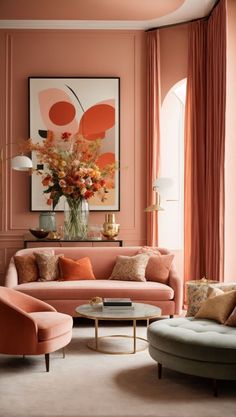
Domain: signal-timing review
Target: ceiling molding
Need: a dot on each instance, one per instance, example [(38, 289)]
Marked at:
[(190, 10)]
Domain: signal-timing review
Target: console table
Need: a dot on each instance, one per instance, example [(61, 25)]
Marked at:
[(31, 239)]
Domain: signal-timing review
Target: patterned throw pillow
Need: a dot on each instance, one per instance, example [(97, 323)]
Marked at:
[(47, 265), (218, 308), (130, 268), (27, 268), (158, 268)]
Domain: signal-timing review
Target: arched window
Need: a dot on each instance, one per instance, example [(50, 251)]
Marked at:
[(170, 220)]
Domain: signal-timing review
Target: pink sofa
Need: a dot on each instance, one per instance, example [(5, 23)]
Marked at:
[(65, 296)]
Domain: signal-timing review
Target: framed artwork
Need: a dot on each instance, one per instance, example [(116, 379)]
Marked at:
[(78, 105)]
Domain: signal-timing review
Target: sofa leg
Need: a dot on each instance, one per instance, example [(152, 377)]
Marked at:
[(215, 387), (64, 352), (171, 316), (47, 361), (159, 369)]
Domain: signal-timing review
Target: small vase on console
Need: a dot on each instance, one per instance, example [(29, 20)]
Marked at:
[(110, 227)]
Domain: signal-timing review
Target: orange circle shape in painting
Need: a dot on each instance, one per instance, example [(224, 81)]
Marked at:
[(104, 159), (96, 120), (61, 113)]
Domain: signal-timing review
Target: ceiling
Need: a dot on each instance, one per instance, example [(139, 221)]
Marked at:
[(100, 14)]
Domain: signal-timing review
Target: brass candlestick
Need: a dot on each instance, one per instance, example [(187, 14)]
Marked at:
[(110, 227)]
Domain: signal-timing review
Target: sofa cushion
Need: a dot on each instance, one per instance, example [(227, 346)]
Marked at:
[(47, 265), (203, 340), (51, 324), (27, 268), (71, 270), (86, 289), (130, 268), (218, 308), (158, 268)]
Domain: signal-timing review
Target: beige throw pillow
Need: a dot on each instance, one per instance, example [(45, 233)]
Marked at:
[(231, 320), (218, 308), (130, 268), (47, 265)]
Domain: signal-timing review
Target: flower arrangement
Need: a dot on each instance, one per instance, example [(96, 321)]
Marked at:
[(71, 168)]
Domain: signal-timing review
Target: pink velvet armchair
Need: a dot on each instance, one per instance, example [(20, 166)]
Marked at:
[(29, 326)]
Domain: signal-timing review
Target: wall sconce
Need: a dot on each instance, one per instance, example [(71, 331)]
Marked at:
[(159, 185), (19, 162)]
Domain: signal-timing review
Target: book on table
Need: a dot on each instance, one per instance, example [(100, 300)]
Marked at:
[(117, 302)]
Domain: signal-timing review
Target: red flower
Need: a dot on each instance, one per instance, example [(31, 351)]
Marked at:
[(65, 136)]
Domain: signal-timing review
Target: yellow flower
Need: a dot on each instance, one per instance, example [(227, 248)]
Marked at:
[(61, 174)]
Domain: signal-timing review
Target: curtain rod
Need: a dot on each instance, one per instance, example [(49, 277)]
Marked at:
[(187, 21)]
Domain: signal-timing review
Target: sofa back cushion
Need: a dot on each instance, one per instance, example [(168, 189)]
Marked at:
[(103, 258)]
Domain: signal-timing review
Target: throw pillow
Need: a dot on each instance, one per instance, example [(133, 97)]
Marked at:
[(27, 268), (158, 268), (47, 265), (71, 270), (149, 250), (130, 268), (218, 308), (213, 292), (231, 320)]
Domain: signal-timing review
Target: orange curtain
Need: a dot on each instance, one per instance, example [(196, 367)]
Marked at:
[(153, 128), (204, 148)]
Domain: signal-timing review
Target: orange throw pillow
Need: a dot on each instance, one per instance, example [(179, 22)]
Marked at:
[(71, 270)]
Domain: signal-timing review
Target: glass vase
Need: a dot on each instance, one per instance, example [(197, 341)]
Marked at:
[(76, 213)]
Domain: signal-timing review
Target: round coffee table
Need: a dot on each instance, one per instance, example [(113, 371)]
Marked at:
[(140, 311)]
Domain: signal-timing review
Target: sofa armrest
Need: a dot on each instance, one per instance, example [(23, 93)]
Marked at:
[(177, 285), (11, 278)]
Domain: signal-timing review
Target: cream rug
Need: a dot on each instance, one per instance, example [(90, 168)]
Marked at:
[(91, 384)]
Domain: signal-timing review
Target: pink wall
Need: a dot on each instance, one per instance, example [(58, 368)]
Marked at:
[(81, 53), (174, 56), (73, 53), (230, 149)]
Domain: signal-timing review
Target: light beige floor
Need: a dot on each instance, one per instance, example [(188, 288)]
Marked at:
[(91, 384)]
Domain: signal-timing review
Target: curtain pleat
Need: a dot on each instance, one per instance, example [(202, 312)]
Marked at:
[(204, 148), (153, 128)]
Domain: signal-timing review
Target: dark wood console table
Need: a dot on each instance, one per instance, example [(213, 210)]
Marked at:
[(31, 239)]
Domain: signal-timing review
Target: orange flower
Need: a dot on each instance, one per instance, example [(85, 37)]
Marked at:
[(46, 180)]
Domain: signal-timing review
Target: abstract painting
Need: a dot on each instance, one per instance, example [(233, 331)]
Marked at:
[(88, 106)]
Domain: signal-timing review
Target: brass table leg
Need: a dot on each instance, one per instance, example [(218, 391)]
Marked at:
[(96, 334), (134, 334)]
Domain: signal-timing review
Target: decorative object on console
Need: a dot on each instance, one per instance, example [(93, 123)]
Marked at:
[(47, 221), (76, 213), (110, 227), (39, 233)]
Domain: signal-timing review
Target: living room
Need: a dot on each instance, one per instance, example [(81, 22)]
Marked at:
[(74, 40)]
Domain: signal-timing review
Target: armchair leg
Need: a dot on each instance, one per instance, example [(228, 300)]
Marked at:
[(47, 361), (159, 369)]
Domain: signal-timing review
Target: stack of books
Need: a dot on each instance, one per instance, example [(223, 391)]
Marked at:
[(117, 304)]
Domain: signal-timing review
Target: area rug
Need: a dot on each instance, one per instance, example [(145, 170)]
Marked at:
[(91, 384)]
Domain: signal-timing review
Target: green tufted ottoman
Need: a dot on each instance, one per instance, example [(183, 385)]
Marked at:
[(198, 347)]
